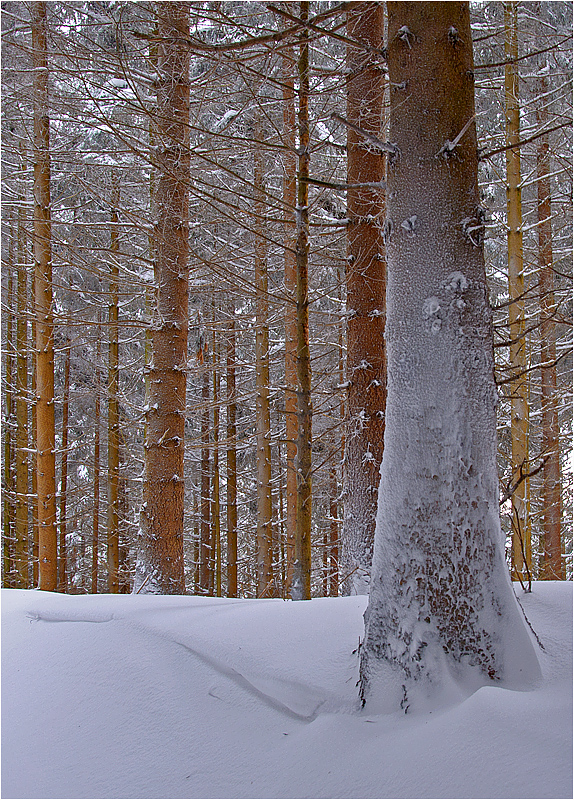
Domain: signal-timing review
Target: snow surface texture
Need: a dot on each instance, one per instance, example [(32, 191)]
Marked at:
[(183, 697)]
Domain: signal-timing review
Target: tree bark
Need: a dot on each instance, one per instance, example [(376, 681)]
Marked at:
[(96, 509), (366, 367), (9, 578), (159, 568), (206, 540), (552, 562), (46, 435), (301, 585), (442, 616), (520, 523)]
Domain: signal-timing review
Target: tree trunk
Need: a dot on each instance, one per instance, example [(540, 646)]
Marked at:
[(263, 416), (206, 543), (442, 618), (96, 510), (301, 586), (113, 534), (159, 568), (62, 559), (366, 367), (552, 563), (231, 458), (521, 547), (22, 553), (215, 505), (289, 202), (46, 436), (9, 578)]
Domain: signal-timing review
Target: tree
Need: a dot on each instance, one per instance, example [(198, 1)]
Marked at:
[(441, 616), (45, 424), (366, 368), (160, 564)]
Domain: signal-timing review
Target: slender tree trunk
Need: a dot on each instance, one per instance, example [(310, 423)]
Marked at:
[(441, 613), (9, 578), (22, 553), (96, 511), (231, 458), (62, 559), (215, 507), (159, 568), (301, 586), (521, 547), (333, 562), (46, 437), (552, 562), (113, 536), (206, 547), (289, 202), (366, 367), (34, 439), (263, 415)]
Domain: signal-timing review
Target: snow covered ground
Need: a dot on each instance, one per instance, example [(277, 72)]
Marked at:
[(185, 697)]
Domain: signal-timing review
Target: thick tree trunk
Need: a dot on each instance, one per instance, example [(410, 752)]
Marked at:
[(552, 563), (520, 524), (289, 203), (263, 416), (159, 567), (366, 368), (442, 618), (46, 436), (301, 585), (231, 458)]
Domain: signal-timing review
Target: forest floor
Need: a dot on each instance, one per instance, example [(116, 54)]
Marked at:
[(184, 697)]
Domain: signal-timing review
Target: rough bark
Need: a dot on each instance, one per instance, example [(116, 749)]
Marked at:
[(206, 543), (46, 436), (301, 585), (552, 562), (215, 504), (520, 523), (96, 509), (442, 618), (366, 367), (160, 558)]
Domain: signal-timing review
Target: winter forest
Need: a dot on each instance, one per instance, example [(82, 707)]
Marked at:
[(286, 315)]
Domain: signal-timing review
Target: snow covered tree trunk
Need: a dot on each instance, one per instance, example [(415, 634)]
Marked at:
[(521, 538), (366, 368), (159, 569), (442, 619), (46, 431), (552, 563)]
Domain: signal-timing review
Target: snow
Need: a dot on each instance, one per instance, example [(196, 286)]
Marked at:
[(185, 697)]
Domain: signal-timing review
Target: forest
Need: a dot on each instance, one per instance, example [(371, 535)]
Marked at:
[(286, 316), (252, 152)]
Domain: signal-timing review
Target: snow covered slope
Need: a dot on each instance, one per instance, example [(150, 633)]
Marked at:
[(184, 697)]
